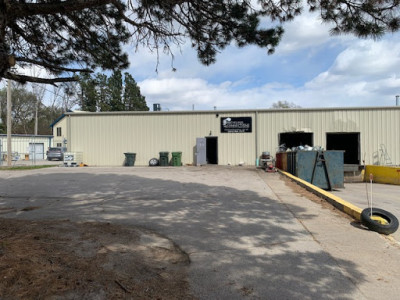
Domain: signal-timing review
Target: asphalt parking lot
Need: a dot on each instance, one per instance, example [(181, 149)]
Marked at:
[(248, 234)]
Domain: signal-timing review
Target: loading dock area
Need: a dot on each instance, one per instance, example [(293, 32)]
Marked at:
[(349, 142)]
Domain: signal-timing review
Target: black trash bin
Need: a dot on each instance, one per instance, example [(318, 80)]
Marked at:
[(164, 158), (130, 159)]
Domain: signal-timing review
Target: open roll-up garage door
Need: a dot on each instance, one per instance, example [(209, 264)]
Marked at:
[(295, 139), (347, 141)]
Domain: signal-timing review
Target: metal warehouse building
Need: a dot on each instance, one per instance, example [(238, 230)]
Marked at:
[(32, 147), (231, 137)]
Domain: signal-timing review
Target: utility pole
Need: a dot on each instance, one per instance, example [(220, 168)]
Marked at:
[(36, 116), (9, 154)]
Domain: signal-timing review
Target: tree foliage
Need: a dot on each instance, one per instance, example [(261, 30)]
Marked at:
[(133, 99), (89, 94), (284, 104), (67, 36), (114, 86), (114, 93), (23, 112)]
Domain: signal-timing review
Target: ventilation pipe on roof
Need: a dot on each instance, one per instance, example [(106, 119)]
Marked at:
[(156, 107)]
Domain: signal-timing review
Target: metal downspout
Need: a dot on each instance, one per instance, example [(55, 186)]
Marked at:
[(69, 133), (256, 137)]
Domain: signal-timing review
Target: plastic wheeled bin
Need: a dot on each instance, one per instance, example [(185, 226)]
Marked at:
[(177, 159), (164, 158), (130, 159)]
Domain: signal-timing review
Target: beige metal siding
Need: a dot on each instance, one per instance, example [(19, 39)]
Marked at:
[(236, 148), (60, 139), (20, 144), (103, 138), (376, 126)]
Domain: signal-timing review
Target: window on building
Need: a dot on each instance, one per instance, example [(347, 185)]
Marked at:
[(59, 144), (58, 131)]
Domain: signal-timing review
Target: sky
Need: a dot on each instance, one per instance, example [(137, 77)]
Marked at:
[(310, 68)]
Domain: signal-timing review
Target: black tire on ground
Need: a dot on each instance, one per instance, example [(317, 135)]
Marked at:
[(153, 162), (392, 222)]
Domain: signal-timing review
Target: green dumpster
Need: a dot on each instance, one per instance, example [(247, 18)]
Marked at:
[(164, 158), (130, 159), (176, 159), (324, 169)]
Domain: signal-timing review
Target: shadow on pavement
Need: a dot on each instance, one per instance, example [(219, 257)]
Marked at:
[(241, 242)]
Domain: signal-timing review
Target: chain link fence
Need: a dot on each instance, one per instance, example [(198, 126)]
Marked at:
[(25, 149)]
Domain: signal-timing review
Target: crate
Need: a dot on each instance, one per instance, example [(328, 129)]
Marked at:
[(73, 159)]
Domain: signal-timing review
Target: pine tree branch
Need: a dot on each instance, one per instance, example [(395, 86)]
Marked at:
[(20, 9), (24, 79), (51, 66)]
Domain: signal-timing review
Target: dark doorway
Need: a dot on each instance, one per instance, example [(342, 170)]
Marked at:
[(347, 141), (295, 139), (212, 149)]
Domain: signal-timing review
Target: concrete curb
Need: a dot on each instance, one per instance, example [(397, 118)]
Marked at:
[(344, 206)]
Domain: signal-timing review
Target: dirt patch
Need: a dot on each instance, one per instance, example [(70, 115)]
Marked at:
[(65, 260)]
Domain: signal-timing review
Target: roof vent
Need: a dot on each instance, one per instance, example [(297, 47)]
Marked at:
[(156, 107)]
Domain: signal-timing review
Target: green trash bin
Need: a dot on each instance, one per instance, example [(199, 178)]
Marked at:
[(164, 159), (130, 159), (176, 159)]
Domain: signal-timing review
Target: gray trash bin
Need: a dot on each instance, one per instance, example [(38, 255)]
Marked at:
[(130, 159)]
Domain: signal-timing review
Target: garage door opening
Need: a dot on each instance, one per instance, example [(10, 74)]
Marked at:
[(347, 141), (212, 149), (295, 139), (36, 151)]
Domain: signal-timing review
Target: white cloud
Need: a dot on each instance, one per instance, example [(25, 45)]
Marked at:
[(182, 93), (368, 58), (364, 74), (303, 32), (310, 68)]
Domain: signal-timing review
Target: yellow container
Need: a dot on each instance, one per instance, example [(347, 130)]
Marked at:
[(382, 174)]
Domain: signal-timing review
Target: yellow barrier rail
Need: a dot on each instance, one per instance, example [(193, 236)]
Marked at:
[(383, 174)]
